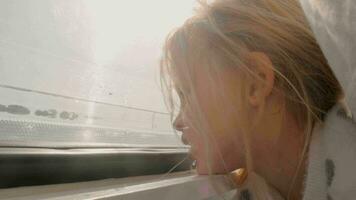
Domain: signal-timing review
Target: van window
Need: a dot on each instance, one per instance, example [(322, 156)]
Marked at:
[(84, 72), (80, 94)]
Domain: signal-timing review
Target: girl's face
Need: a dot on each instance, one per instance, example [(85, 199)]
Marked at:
[(275, 141), (222, 135)]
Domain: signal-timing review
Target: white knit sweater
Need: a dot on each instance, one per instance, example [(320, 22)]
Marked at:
[(331, 170), (332, 159)]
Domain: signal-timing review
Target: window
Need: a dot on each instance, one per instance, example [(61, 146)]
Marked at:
[(79, 75)]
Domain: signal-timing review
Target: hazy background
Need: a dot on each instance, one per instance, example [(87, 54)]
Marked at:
[(59, 57), (85, 72)]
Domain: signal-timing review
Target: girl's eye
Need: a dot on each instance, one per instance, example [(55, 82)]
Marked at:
[(182, 96)]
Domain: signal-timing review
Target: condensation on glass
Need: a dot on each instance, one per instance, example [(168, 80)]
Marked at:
[(84, 72)]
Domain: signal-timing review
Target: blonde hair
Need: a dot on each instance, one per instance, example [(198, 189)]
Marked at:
[(223, 32)]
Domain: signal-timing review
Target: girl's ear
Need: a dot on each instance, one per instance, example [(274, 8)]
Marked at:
[(262, 82)]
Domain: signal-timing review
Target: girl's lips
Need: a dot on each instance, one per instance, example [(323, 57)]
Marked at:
[(192, 152), (184, 139)]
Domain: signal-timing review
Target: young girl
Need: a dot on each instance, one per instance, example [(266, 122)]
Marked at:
[(254, 89)]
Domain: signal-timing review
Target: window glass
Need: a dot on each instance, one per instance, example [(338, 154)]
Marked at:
[(85, 72)]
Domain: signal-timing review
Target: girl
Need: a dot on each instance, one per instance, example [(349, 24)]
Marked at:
[(254, 87)]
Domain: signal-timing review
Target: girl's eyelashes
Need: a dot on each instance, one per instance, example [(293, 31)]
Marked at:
[(181, 97), (181, 94)]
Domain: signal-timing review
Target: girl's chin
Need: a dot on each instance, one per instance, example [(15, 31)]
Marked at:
[(202, 169)]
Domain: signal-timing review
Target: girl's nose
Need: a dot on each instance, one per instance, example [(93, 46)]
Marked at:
[(178, 123)]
